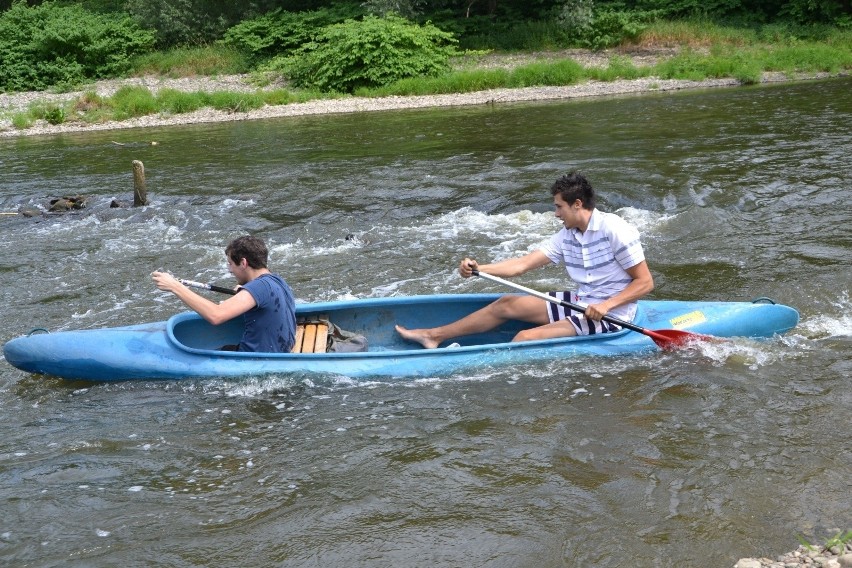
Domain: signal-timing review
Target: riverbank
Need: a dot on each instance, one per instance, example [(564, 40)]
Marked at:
[(11, 103), (839, 556)]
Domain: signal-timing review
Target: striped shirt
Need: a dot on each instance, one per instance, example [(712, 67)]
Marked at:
[(598, 258)]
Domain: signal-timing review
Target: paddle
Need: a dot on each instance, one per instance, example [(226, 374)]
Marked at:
[(211, 287), (665, 338)]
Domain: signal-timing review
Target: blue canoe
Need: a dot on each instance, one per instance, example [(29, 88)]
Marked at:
[(185, 346)]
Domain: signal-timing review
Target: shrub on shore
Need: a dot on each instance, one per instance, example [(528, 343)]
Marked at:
[(367, 53), (60, 45)]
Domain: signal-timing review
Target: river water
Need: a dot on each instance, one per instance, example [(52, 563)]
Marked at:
[(681, 459)]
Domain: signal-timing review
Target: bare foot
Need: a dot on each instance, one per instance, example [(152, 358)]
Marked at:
[(420, 336)]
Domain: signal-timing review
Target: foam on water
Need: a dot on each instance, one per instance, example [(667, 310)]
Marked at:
[(838, 323), (131, 229), (739, 351), (647, 222), (231, 203), (301, 247), (512, 233)]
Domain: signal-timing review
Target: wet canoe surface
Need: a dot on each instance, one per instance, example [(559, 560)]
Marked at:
[(186, 346)]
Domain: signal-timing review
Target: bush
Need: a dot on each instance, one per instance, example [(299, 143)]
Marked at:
[(55, 115), (192, 22), (410, 9), (577, 17), (588, 26), (610, 28), (369, 53), (280, 32), (525, 35), (51, 44), (51, 113)]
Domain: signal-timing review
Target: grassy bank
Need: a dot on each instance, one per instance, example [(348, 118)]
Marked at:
[(135, 101), (702, 51)]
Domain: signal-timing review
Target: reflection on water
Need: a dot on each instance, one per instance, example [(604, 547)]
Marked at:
[(691, 458)]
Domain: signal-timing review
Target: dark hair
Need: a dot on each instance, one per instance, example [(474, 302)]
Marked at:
[(575, 186), (250, 248)]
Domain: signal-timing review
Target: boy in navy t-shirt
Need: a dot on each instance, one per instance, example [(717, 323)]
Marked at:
[(270, 326), (263, 299)]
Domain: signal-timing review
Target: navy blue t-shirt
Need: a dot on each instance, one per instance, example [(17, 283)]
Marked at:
[(270, 326)]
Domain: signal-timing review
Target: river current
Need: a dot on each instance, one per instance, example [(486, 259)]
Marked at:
[(692, 458)]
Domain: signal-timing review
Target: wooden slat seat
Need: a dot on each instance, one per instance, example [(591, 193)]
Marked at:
[(311, 335)]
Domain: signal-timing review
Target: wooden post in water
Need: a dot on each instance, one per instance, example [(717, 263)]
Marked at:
[(140, 194)]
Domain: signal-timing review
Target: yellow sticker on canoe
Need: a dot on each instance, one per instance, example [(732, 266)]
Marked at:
[(686, 320)]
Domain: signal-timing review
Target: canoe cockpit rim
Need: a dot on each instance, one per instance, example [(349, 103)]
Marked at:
[(176, 320)]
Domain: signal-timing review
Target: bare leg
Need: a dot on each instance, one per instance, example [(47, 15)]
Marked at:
[(523, 308), (562, 328)]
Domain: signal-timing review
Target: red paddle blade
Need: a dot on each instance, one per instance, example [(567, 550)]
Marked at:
[(672, 339)]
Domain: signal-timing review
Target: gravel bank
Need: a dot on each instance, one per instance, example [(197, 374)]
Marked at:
[(836, 557), (18, 102), (11, 103)]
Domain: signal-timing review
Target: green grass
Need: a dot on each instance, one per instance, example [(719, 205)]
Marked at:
[(456, 82), (565, 72), (135, 101), (235, 102), (692, 33), (699, 33), (737, 60), (720, 63), (619, 67), (50, 112), (132, 101), (205, 61), (836, 543), (806, 59), (21, 120), (173, 101)]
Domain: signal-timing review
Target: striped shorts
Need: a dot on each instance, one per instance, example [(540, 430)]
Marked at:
[(581, 323)]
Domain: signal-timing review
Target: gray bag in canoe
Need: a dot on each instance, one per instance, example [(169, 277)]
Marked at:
[(342, 341)]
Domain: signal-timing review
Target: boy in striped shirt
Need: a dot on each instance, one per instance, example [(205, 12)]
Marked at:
[(601, 252)]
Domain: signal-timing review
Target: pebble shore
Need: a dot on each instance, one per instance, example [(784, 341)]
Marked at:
[(836, 557), (18, 102), (10, 103)]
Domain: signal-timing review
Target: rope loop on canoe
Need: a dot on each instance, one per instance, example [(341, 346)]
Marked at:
[(37, 330), (763, 300)]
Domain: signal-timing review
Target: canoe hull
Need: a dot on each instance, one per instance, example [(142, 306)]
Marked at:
[(185, 346)]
